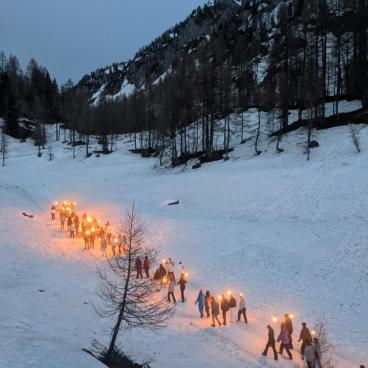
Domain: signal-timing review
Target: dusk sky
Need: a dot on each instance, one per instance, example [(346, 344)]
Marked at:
[(74, 37)]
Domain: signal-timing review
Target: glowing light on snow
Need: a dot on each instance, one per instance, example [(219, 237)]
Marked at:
[(229, 292), (313, 332), (241, 294), (89, 219), (220, 297), (274, 319), (291, 316)]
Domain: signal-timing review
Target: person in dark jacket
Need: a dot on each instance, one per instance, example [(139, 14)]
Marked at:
[(232, 306), (270, 342), (224, 308), (207, 303), (215, 311), (76, 223), (146, 266), (138, 267), (160, 273), (306, 337), (289, 327), (181, 284), (200, 302)]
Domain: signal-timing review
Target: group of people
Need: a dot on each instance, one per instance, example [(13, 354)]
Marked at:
[(88, 228), (231, 309), (310, 349), (208, 305)]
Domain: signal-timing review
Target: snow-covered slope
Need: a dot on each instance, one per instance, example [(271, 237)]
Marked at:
[(289, 233)]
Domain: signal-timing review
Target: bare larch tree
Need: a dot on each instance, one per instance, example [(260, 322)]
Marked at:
[(131, 302)]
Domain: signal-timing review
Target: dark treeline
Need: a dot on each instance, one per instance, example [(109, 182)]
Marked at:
[(301, 57), (30, 95)]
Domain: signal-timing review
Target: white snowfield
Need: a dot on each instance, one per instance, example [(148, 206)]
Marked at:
[(290, 234)]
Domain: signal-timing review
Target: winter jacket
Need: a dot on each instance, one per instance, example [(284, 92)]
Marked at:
[(305, 335), (72, 227), (207, 301), (182, 283), (284, 337), (309, 353), (224, 305), (171, 287), (138, 264), (241, 303), (232, 302), (170, 266), (200, 300), (271, 335), (76, 222), (70, 221), (215, 308), (146, 263), (62, 218), (289, 325)]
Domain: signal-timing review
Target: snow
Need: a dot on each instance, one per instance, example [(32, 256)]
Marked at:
[(289, 233), (162, 76), (344, 107), (96, 97), (126, 89)]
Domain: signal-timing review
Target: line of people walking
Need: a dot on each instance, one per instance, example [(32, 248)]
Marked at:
[(88, 228), (310, 348)]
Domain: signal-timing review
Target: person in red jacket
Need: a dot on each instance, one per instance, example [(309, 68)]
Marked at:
[(146, 266), (138, 267)]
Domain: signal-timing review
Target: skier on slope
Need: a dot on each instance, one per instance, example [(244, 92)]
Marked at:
[(224, 308), (182, 282), (200, 302), (207, 303), (146, 266), (270, 343), (138, 267), (289, 327), (242, 309), (284, 339), (305, 336), (215, 311)]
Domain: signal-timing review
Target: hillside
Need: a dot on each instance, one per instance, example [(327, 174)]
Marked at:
[(289, 233)]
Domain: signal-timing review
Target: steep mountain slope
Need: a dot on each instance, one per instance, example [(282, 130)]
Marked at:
[(152, 62)]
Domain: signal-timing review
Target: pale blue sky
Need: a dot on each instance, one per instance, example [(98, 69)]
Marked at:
[(73, 37)]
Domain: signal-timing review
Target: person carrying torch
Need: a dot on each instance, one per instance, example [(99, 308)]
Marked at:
[(242, 308), (270, 343), (215, 311), (306, 337)]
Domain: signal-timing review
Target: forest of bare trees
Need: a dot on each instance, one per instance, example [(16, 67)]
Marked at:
[(315, 52)]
